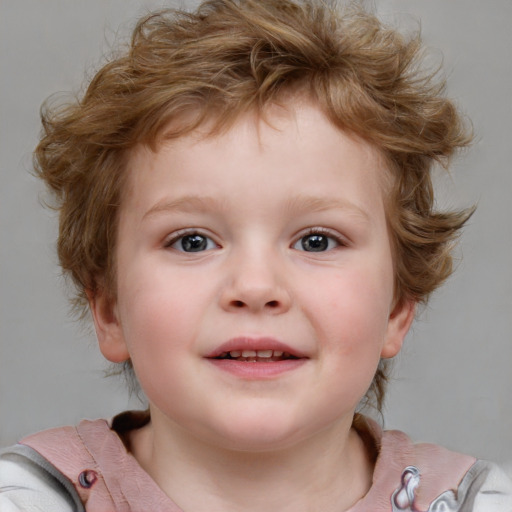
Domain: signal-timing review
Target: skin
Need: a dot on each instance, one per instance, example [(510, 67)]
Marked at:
[(257, 194)]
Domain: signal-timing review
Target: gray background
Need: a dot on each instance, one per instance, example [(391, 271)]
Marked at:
[(453, 380)]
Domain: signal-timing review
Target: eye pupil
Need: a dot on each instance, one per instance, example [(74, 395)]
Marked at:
[(194, 243), (315, 243)]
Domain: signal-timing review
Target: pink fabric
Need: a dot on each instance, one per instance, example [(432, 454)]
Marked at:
[(122, 485), (440, 469)]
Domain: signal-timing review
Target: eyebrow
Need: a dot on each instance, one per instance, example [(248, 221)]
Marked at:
[(294, 206), (185, 204), (305, 203)]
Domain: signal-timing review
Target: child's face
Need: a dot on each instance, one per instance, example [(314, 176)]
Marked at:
[(269, 238)]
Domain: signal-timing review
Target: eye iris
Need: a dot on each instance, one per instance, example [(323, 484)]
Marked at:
[(194, 243), (315, 243)]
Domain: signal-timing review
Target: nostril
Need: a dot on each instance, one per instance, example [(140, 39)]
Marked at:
[(239, 304)]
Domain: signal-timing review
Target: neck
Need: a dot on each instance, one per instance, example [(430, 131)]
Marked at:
[(329, 472)]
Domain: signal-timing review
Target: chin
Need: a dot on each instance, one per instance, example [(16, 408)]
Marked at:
[(258, 443), (258, 433)]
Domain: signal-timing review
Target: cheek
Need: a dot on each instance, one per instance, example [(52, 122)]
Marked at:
[(350, 314), (158, 334), (352, 306), (156, 312)]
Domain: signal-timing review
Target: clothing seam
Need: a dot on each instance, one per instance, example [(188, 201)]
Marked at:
[(93, 458)]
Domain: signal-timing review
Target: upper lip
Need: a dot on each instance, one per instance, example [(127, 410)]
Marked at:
[(254, 343)]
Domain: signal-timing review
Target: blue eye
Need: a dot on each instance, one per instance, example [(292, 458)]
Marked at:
[(194, 242), (316, 242)]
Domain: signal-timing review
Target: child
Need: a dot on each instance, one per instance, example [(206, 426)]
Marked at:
[(246, 209)]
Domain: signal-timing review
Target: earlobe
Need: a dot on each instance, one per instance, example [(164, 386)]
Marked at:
[(399, 323), (107, 325)]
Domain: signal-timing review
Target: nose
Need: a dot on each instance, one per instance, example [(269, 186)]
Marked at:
[(256, 284)]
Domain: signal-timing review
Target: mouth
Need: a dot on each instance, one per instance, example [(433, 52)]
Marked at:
[(256, 356), (255, 350)]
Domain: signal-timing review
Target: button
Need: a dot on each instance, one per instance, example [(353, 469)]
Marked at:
[(87, 478)]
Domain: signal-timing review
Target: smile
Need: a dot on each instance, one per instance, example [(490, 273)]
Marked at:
[(254, 349), (256, 356)]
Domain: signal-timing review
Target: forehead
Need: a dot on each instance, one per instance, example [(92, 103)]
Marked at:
[(285, 144)]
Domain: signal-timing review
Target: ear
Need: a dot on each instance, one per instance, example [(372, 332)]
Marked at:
[(107, 325), (400, 321)]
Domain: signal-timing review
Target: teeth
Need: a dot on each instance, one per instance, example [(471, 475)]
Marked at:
[(264, 353), (252, 354)]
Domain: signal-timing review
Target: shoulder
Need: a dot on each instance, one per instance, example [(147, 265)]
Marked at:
[(90, 460), (483, 488), (428, 477), (51, 471), (491, 487), (29, 482), (440, 479)]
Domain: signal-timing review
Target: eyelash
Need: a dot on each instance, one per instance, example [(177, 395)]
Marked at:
[(176, 237), (341, 241)]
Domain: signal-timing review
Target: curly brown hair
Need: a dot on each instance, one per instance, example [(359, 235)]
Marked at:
[(233, 56)]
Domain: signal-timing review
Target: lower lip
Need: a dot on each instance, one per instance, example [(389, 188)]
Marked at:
[(257, 370)]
